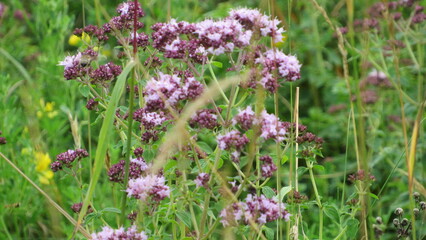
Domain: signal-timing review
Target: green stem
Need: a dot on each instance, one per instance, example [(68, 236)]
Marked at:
[(217, 82), (317, 197)]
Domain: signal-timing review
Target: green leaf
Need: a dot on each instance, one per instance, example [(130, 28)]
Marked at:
[(217, 64), (352, 228), (104, 136), (205, 147), (374, 196), (284, 159), (84, 90), (332, 212), (185, 218), (111, 209), (269, 232), (284, 191), (269, 193), (301, 171), (319, 168)]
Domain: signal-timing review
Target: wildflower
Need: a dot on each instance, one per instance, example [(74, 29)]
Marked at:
[(47, 108), (205, 118), (92, 104), (287, 67), (42, 161), (67, 158), (202, 180), (399, 211), (106, 72), (254, 20), (258, 209), (76, 207), (137, 166), (149, 187), (138, 152), (244, 118), (232, 140), (149, 119), (108, 233), (268, 167), (271, 127)]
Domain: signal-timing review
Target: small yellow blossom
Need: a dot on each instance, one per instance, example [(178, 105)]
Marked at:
[(74, 40), (85, 37), (42, 161), (47, 108)]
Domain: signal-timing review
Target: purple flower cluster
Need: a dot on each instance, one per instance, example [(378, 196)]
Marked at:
[(268, 167), (169, 90), (232, 140), (376, 78), (108, 233), (136, 168), (2, 139), (205, 118), (245, 118), (105, 73), (272, 127), (92, 104), (360, 176), (126, 16), (257, 209), (254, 20), (286, 67), (149, 187), (148, 119), (202, 180), (66, 159)]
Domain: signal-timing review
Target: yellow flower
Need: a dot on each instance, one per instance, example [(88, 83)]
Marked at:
[(74, 40), (45, 177), (47, 108), (42, 161)]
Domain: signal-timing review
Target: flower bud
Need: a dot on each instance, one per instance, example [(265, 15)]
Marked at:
[(399, 211), (404, 222), (396, 222)]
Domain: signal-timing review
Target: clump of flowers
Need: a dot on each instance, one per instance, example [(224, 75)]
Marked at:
[(66, 159), (150, 187), (108, 233), (257, 209), (176, 55), (268, 167), (202, 180), (137, 167)]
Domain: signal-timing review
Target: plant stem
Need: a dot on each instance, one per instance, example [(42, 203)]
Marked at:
[(317, 197)]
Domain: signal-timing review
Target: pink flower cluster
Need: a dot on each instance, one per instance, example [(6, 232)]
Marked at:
[(244, 118), (148, 119), (257, 209), (268, 167), (136, 168), (271, 127), (254, 20), (108, 233), (65, 159), (149, 187), (285, 66), (205, 118), (202, 180), (169, 89)]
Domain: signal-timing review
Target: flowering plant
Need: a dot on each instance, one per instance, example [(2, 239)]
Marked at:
[(184, 138)]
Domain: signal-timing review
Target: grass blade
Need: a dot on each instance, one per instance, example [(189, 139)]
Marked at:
[(104, 136)]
